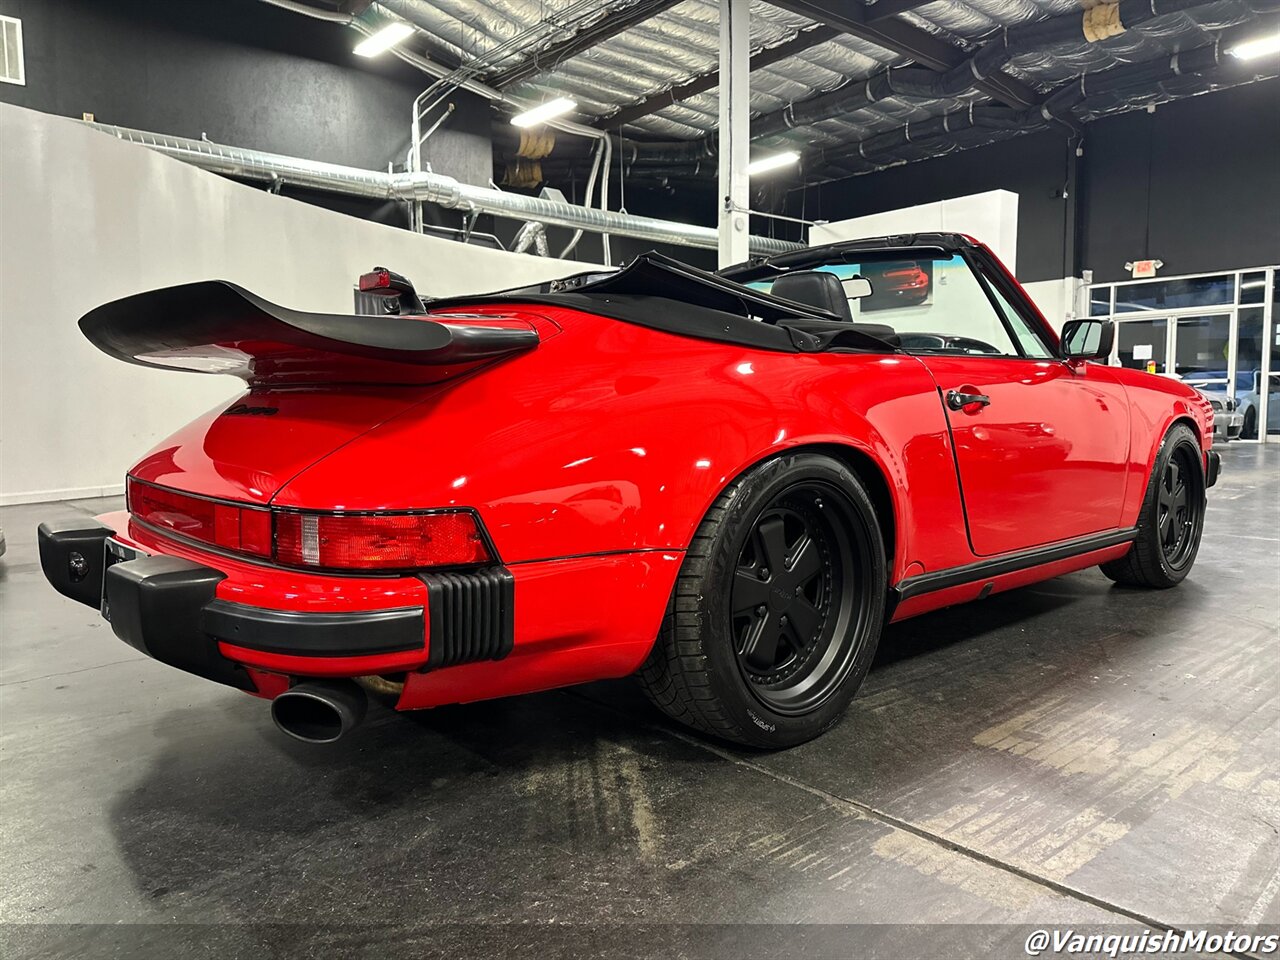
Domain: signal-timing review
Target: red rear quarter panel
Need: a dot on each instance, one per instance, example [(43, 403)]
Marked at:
[(615, 437)]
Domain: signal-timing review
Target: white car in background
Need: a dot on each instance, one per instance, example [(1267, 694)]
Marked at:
[(1247, 403)]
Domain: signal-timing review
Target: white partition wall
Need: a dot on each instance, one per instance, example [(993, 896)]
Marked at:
[(85, 219), (991, 217)]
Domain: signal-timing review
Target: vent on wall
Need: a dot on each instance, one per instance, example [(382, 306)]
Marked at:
[(11, 67)]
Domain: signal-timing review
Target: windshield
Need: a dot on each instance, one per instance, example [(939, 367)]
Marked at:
[(934, 303)]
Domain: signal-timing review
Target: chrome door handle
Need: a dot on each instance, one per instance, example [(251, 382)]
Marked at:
[(958, 401)]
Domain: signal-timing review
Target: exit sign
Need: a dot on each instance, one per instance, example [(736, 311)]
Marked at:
[(1144, 269)]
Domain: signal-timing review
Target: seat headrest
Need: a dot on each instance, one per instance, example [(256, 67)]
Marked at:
[(814, 288)]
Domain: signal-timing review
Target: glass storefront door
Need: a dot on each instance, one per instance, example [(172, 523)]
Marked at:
[(1220, 332), (1195, 348), (1143, 344)]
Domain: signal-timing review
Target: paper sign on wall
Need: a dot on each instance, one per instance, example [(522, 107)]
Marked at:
[(1142, 351)]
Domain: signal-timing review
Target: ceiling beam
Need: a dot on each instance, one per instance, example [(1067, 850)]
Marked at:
[(883, 9), (709, 81), (598, 32), (852, 17)]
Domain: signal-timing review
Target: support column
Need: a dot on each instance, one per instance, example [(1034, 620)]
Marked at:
[(735, 129)]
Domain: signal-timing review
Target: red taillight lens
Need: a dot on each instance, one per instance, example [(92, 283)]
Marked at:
[(404, 541), (376, 280), (225, 525), (389, 541)]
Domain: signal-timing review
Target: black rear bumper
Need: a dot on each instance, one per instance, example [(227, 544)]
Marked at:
[(167, 608)]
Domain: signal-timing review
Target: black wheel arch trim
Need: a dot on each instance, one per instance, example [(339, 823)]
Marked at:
[(1010, 563)]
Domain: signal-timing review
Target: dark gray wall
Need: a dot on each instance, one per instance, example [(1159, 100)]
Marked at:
[(240, 71), (1196, 184)]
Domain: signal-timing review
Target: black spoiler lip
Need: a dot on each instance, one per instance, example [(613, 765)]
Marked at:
[(161, 327)]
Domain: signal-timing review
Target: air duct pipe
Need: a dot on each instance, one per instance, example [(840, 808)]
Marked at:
[(428, 188)]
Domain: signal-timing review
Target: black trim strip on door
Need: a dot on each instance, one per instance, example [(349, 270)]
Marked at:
[(1011, 563)]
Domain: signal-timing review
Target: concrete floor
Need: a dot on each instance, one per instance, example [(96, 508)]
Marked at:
[(1071, 754)]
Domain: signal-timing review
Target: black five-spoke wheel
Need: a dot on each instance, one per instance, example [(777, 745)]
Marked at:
[(1171, 519), (1175, 515), (793, 586), (778, 607)]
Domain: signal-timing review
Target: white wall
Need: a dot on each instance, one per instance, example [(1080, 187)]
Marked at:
[(1057, 299), (85, 218), (991, 217)]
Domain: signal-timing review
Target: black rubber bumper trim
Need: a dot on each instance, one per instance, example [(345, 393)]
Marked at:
[(1213, 466), (72, 557), (154, 604), (472, 616), (1010, 563), (354, 634)]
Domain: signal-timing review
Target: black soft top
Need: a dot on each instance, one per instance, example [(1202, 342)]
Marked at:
[(658, 292)]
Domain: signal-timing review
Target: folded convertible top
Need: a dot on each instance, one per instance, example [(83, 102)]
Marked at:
[(215, 326), (664, 294)]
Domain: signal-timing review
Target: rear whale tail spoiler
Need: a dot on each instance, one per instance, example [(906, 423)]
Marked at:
[(215, 326)]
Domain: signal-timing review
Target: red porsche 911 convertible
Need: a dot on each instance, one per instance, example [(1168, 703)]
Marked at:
[(724, 483)]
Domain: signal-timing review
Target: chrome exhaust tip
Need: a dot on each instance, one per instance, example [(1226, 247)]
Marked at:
[(320, 711)]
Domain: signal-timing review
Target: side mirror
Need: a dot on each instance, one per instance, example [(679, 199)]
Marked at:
[(1087, 339)]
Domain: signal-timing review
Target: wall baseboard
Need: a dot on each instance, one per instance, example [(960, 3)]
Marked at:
[(69, 493)]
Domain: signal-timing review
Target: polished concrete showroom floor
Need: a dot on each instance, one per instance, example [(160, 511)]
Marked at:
[(1072, 754)]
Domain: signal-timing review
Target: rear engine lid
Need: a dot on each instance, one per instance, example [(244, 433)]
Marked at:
[(248, 449)]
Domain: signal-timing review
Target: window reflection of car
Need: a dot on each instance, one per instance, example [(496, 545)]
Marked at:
[(947, 343)]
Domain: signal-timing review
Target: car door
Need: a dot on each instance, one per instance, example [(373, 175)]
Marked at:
[(1040, 445)]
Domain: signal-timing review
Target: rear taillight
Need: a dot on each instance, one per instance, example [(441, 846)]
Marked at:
[(389, 541), (225, 525), (378, 279), (328, 541)]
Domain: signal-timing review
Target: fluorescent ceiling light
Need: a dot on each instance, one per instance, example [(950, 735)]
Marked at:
[(1252, 49), (383, 40), (544, 112), (772, 163)]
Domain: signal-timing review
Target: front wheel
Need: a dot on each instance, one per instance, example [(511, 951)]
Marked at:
[(1172, 517), (778, 607)]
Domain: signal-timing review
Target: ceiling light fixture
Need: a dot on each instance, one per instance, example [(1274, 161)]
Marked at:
[(1252, 49), (383, 40), (544, 112), (772, 163)]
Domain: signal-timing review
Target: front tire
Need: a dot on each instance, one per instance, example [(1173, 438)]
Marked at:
[(777, 609), (1172, 518)]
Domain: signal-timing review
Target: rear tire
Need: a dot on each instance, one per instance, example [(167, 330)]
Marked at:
[(1172, 517), (777, 609)]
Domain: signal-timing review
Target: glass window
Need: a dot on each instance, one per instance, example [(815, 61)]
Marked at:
[(1200, 354), (935, 305), (1273, 376), (1142, 344), (1028, 339), (1250, 343), (1175, 294), (1253, 287), (1099, 301)]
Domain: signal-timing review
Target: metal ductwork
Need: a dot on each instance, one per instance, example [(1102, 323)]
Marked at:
[(428, 188)]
